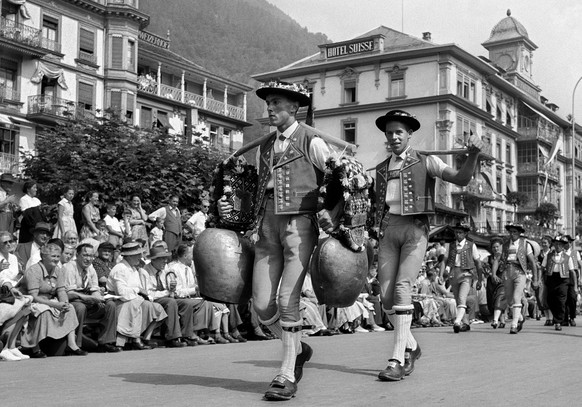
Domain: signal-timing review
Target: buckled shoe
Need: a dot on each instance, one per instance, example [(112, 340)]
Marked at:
[(281, 389)]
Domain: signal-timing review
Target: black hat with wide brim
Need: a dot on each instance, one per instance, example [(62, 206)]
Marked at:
[(398, 116), (292, 91), (516, 226)]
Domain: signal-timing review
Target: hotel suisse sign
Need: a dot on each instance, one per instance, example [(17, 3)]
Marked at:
[(154, 40), (354, 47)]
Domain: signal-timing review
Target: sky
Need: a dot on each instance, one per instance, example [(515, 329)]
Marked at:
[(554, 26)]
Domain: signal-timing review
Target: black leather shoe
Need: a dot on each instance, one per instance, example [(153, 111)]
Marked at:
[(190, 342), (304, 356), (149, 343), (39, 354), (76, 352), (136, 346), (513, 330), (548, 322), (393, 372), (237, 335), (502, 325), (411, 356), (572, 322), (175, 343), (557, 327), (281, 389), (456, 328), (465, 327), (520, 325), (108, 348)]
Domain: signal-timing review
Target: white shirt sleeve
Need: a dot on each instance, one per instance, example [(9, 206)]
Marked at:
[(159, 213), (319, 152), (435, 166)]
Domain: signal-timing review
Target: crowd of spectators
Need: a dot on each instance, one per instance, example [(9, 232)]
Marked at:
[(118, 278)]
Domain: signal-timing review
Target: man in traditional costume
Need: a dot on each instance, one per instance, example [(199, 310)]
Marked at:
[(405, 189)]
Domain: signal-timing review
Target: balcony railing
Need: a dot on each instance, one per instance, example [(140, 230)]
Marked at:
[(537, 133), (8, 163), (149, 85), (132, 3), (537, 168), (50, 106), (26, 35), (9, 94)]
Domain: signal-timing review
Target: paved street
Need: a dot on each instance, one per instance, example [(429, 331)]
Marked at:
[(538, 367)]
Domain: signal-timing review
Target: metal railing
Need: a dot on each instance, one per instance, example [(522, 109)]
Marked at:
[(149, 85), (21, 33), (50, 105), (9, 94), (8, 163), (132, 3)]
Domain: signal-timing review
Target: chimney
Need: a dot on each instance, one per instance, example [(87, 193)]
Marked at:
[(426, 36)]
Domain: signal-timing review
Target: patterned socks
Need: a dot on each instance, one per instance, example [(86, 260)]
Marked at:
[(401, 319)]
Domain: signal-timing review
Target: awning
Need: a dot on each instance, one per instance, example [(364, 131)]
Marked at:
[(163, 122), (22, 122), (5, 119), (445, 209), (539, 113)]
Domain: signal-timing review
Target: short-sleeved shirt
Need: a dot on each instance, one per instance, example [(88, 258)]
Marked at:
[(80, 280), (37, 277)]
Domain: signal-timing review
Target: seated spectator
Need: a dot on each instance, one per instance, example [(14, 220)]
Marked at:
[(14, 307), (187, 287), (71, 238), (113, 225), (67, 254), (8, 202), (371, 290), (138, 317), (179, 323), (52, 316), (84, 294), (103, 231), (103, 263), (29, 253)]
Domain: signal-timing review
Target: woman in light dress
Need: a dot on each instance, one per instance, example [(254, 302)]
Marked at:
[(66, 211), (90, 216)]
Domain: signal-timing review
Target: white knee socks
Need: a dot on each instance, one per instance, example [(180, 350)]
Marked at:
[(291, 348), (403, 338)]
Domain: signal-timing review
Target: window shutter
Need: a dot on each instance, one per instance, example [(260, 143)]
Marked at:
[(87, 41), (115, 100), (117, 53), (85, 94), (130, 101)]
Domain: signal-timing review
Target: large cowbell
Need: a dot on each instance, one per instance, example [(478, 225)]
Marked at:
[(224, 265), (338, 274)]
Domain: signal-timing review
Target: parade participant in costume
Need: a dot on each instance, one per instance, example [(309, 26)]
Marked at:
[(517, 253), (572, 294), (172, 222), (495, 287), (542, 290), (405, 189), (291, 164), (463, 261), (557, 266)]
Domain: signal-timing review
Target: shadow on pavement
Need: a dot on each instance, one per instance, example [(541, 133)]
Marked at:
[(310, 365), (177, 380)]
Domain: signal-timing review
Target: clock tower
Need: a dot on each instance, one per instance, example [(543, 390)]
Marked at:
[(511, 50)]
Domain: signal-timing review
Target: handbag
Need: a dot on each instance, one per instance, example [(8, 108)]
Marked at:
[(6, 296)]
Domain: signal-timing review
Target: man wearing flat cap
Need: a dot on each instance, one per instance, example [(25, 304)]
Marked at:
[(516, 254), (465, 264), (405, 189), (291, 165), (557, 266)]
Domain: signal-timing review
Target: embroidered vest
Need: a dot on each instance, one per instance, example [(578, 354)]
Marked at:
[(562, 265), (465, 256), (173, 223), (417, 189), (521, 253), (296, 179)]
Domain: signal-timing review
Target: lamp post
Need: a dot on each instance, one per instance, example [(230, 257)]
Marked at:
[(574, 159)]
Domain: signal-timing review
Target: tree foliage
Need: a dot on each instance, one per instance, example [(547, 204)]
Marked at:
[(517, 198), (546, 213), (118, 161)]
